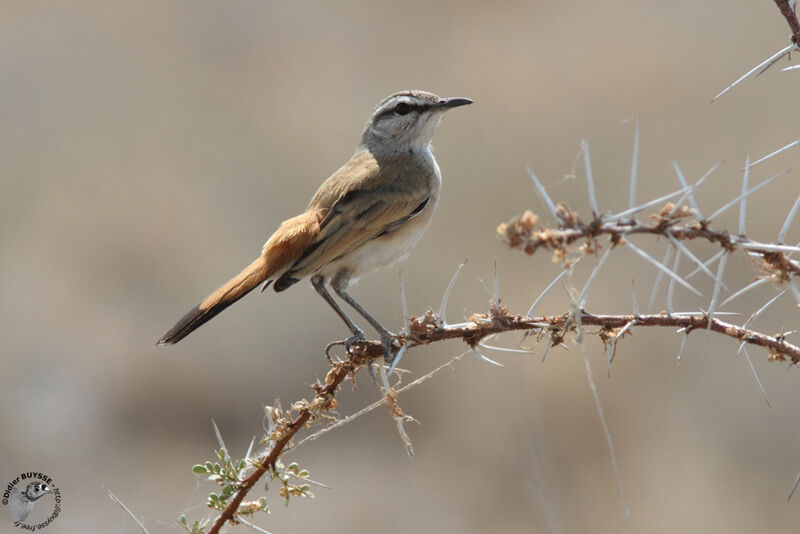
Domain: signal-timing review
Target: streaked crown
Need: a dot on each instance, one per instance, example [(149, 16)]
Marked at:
[(406, 120)]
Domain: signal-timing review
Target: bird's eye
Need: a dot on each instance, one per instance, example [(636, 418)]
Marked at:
[(402, 109)]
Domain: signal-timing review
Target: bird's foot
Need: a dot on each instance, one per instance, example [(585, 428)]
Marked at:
[(358, 335)]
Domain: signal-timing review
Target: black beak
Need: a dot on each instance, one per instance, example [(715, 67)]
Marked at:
[(448, 103)]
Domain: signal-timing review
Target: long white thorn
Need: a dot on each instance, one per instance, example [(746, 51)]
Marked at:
[(482, 343), (755, 376), (743, 204), (543, 193), (682, 180), (745, 289), (773, 154), (547, 347), (219, 436), (398, 420), (685, 250), (484, 358), (702, 311), (768, 247), (448, 291), (659, 277), (776, 56), (580, 302), (683, 347), (640, 207), (549, 287), (131, 514), (252, 526), (715, 295), (397, 358), (250, 448), (788, 222), (403, 301), (707, 263), (587, 165), (649, 259), (691, 189), (604, 424), (796, 481), (763, 308), (747, 193), (634, 167), (671, 289)]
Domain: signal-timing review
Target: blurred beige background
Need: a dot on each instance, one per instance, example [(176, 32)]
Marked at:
[(147, 150)]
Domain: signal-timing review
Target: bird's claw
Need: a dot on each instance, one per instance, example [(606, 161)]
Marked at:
[(352, 340)]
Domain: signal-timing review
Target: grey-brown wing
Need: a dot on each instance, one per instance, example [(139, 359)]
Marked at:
[(356, 219)]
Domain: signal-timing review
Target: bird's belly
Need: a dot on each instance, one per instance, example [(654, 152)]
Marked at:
[(382, 251)]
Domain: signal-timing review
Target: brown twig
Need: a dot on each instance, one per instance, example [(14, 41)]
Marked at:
[(524, 232), (322, 401), (429, 329), (425, 331), (791, 18)]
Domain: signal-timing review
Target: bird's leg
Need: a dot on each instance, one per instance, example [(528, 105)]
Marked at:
[(358, 335), (388, 340)]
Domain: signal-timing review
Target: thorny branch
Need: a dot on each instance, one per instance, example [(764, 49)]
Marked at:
[(787, 8), (429, 328), (525, 233), (285, 430)]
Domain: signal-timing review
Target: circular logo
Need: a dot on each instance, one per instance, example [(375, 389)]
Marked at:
[(33, 500)]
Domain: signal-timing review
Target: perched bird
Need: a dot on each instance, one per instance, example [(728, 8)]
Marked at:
[(21, 502), (368, 214)]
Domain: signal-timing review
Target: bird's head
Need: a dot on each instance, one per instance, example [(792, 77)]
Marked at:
[(406, 120)]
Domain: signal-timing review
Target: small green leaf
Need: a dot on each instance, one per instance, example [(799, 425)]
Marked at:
[(199, 469)]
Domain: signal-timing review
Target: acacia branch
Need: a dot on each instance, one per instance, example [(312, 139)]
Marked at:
[(283, 434), (525, 233), (787, 9), (429, 329)]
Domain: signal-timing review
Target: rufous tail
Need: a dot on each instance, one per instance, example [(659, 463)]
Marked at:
[(287, 244), (237, 287)]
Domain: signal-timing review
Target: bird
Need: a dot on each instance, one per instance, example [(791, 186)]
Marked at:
[(21, 502), (368, 214)]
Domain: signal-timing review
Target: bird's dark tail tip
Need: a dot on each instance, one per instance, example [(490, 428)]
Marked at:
[(188, 324), (230, 292)]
